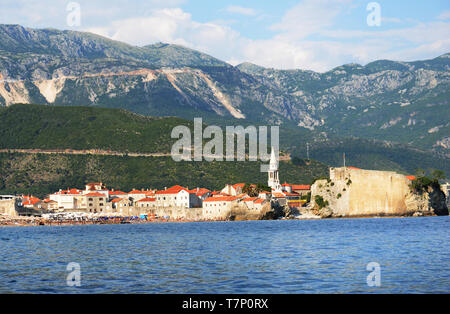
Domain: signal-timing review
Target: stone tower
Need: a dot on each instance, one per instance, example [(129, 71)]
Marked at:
[(274, 179)]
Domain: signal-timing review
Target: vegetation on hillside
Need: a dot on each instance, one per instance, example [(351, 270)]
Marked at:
[(320, 201), (41, 174), (52, 127), (425, 180), (375, 155)]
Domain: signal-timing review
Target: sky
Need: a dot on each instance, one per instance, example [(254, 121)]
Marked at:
[(313, 35)]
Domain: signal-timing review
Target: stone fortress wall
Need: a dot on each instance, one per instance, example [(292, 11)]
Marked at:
[(357, 192)]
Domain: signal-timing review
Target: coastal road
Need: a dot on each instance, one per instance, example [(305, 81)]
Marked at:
[(82, 152), (101, 152)]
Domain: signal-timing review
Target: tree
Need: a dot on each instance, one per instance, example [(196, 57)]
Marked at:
[(254, 190), (423, 181)]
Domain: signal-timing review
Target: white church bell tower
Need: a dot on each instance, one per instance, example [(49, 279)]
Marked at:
[(274, 180)]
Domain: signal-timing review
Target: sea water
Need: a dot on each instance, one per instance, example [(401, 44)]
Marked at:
[(290, 256)]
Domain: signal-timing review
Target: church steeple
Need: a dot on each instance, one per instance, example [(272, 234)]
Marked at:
[(273, 161), (273, 180)]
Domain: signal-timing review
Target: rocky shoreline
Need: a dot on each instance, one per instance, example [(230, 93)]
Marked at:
[(37, 221)]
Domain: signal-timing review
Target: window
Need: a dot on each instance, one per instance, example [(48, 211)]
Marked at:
[(101, 204), (90, 199)]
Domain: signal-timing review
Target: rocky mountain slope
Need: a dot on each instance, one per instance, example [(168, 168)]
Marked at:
[(398, 101), (404, 102)]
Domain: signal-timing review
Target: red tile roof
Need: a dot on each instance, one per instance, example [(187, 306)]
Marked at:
[(117, 193), (173, 190), (237, 185), (250, 199), (259, 201), (301, 187), (136, 192), (202, 193), (411, 178), (221, 194), (354, 168), (95, 194), (221, 199), (30, 200), (147, 199), (278, 195), (69, 192), (298, 186)]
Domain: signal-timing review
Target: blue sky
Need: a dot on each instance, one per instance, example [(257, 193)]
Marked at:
[(308, 34)]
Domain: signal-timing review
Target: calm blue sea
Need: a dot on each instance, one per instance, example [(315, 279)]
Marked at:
[(309, 256)]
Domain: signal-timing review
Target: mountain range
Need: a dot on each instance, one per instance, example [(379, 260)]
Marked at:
[(384, 103)]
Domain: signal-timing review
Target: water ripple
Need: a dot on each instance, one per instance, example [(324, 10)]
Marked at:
[(328, 256)]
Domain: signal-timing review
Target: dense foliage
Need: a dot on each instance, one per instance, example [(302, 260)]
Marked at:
[(41, 174), (54, 127), (375, 155), (87, 128), (253, 190), (423, 180), (320, 201)]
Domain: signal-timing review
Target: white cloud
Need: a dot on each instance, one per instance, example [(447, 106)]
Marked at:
[(306, 37), (52, 13), (241, 10), (176, 27), (309, 17), (444, 15), (385, 19)]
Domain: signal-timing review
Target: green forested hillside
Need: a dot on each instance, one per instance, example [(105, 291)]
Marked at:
[(86, 128), (53, 127), (377, 155), (41, 174)]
